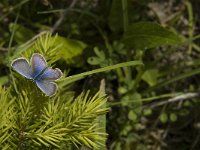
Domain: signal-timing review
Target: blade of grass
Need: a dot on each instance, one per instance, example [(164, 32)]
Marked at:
[(66, 80), (175, 79), (191, 25), (9, 49)]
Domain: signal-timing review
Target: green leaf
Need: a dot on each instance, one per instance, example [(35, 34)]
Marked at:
[(132, 115), (135, 98), (69, 48), (163, 117), (144, 35), (173, 117), (150, 76), (98, 59)]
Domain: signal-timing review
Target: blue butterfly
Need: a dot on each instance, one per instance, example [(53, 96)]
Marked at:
[(38, 71)]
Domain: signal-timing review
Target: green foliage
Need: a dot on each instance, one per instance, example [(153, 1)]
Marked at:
[(52, 47), (70, 49), (99, 59), (150, 76), (145, 35), (152, 48), (7, 115), (59, 121), (31, 121)]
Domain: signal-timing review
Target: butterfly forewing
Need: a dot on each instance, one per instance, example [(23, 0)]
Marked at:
[(38, 63), (49, 88), (22, 66), (51, 74)]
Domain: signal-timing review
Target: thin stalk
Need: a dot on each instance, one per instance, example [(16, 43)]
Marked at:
[(140, 69), (108, 68), (145, 99), (191, 25), (125, 14), (175, 79), (9, 49), (127, 70)]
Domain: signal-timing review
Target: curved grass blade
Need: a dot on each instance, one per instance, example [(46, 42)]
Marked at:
[(70, 79)]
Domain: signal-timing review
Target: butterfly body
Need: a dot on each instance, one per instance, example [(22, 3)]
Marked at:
[(38, 71), (38, 76)]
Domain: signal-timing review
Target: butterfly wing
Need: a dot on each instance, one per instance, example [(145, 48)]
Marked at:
[(22, 66), (38, 63), (45, 82), (49, 88), (51, 74)]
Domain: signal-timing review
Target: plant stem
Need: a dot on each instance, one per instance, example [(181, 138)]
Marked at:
[(149, 99), (125, 14), (191, 25), (67, 80)]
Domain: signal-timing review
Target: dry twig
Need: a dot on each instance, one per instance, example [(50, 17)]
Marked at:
[(174, 99), (62, 16)]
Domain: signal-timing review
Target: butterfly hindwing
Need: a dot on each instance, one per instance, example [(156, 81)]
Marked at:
[(51, 74), (38, 63), (49, 88), (22, 66)]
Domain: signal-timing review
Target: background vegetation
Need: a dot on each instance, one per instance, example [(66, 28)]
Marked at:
[(153, 103)]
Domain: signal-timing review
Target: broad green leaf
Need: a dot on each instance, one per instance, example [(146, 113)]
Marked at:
[(144, 35), (69, 48), (150, 76), (22, 34)]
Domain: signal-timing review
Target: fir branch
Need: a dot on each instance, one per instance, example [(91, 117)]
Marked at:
[(46, 46), (7, 117), (82, 120)]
